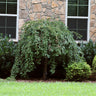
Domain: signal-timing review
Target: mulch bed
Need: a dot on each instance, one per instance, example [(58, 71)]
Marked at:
[(54, 80)]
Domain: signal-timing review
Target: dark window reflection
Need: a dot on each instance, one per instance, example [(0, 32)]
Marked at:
[(79, 26), (11, 0), (11, 8), (2, 0), (83, 11), (72, 10), (83, 2), (2, 21), (11, 32), (11, 21), (2, 8), (72, 1), (8, 26), (2, 31)]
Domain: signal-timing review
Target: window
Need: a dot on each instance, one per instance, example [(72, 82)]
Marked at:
[(9, 18), (78, 17)]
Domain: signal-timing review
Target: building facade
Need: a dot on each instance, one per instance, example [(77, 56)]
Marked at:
[(78, 15)]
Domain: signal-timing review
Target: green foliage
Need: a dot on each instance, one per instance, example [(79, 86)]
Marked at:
[(89, 50), (78, 71), (7, 56), (10, 79), (41, 40), (94, 65)]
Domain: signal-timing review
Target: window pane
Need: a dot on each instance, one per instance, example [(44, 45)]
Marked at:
[(11, 8), (2, 31), (2, 0), (8, 23), (3, 8), (79, 26), (11, 22), (2, 21), (82, 23), (11, 32), (72, 10), (83, 33), (72, 24), (72, 1), (83, 11), (78, 8), (83, 2), (11, 0), (8, 26), (74, 35)]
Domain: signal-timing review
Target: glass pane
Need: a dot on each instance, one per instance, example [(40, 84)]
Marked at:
[(82, 23), (11, 8), (11, 0), (3, 8), (79, 26), (83, 11), (72, 24), (72, 10), (8, 26), (11, 22), (72, 1), (2, 0), (2, 21), (83, 2), (83, 33), (11, 32), (2, 31), (74, 35)]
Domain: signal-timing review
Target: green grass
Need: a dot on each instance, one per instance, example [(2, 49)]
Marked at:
[(47, 89)]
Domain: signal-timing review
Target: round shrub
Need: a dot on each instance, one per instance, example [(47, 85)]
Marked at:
[(44, 42), (7, 56), (78, 71), (94, 65)]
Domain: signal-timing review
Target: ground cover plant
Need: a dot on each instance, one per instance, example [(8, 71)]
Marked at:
[(47, 89), (45, 42)]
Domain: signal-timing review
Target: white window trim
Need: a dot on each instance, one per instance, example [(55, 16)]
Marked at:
[(17, 21), (80, 17)]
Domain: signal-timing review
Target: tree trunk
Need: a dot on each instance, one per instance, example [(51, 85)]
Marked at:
[(45, 69)]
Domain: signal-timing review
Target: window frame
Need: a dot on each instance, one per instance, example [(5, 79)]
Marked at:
[(80, 17), (17, 21)]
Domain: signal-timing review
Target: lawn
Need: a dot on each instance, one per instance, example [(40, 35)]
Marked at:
[(47, 89)]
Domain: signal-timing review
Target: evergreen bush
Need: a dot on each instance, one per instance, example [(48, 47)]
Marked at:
[(7, 56), (94, 65), (78, 71), (89, 51)]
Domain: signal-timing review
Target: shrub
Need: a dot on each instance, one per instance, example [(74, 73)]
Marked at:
[(7, 56), (94, 65), (78, 71), (89, 50), (44, 42)]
